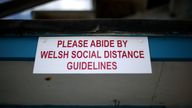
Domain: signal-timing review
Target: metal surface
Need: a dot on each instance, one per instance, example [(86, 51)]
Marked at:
[(23, 27)]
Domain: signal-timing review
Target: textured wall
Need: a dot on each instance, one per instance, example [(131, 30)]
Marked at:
[(169, 84)]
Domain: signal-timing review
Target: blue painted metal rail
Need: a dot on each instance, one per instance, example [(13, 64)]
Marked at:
[(172, 39), (162, 48)]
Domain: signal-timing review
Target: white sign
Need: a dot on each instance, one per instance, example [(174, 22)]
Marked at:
[(92, 55)]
